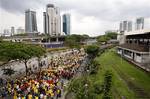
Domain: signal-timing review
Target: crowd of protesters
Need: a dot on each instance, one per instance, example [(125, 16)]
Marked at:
[(47, 83)]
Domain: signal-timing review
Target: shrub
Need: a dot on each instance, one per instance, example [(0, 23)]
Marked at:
[(94, 66), (98, 88), (107, 85), (92, 50)]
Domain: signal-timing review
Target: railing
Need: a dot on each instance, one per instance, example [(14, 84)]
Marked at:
[(137, 47)]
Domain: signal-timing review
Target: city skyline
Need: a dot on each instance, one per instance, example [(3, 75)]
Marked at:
[(101, 15)]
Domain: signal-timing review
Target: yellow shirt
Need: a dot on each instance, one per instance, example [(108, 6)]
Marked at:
[(29, 96), (58, 91), (15, 97), (52, 94), (35, 90), (15, 85), (36, 97), (22, 97), (50, 90), (9, 89)]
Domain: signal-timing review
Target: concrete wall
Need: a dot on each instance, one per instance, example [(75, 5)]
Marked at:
[(138, 58), (146, 58), (19, 67), (121, 39)]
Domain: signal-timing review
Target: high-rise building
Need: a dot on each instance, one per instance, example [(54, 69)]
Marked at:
[(52, 20), (66, 24), (139, 23), (12, 30), (30, 21), (20, 30), (129, 26), (6, 31), (125, 26), (121, 26)]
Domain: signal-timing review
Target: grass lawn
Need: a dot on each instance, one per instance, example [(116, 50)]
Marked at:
[(128, 81)]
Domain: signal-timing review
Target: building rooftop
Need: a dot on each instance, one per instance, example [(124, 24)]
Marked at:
[(143, 31), (50, 5), (135, 47)]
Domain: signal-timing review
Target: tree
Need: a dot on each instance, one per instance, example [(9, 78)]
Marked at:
[(94, 66), (29, 51), (75, 41), (103, 39), (70, 42), (39, 52), (19, 51), (82, 88), (21, 34), (92, 50), (1, 39), (107, 85), (112, 35), (84, 37), (98, 87)]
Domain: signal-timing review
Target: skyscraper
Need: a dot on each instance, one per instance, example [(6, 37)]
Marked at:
[(121, 26), (30, 21), (66, 24), (20, 30), (125, 26), (7, 32), (12, 30), (129, 26), (139, 23), (52, 20)]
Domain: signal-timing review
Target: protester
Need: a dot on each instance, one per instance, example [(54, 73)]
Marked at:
[(48, 84)]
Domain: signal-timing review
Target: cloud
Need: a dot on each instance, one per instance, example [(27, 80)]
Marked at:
[(101, 14), (112, 10), (19, 6)]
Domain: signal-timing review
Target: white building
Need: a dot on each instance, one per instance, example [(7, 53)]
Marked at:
[(6, 32), (139, 23), (20, 30), (129, 26), (135, 47), (125, 26), (12, 30), (52, 20)]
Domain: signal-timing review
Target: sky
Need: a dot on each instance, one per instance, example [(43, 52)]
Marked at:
[(92, 17)]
